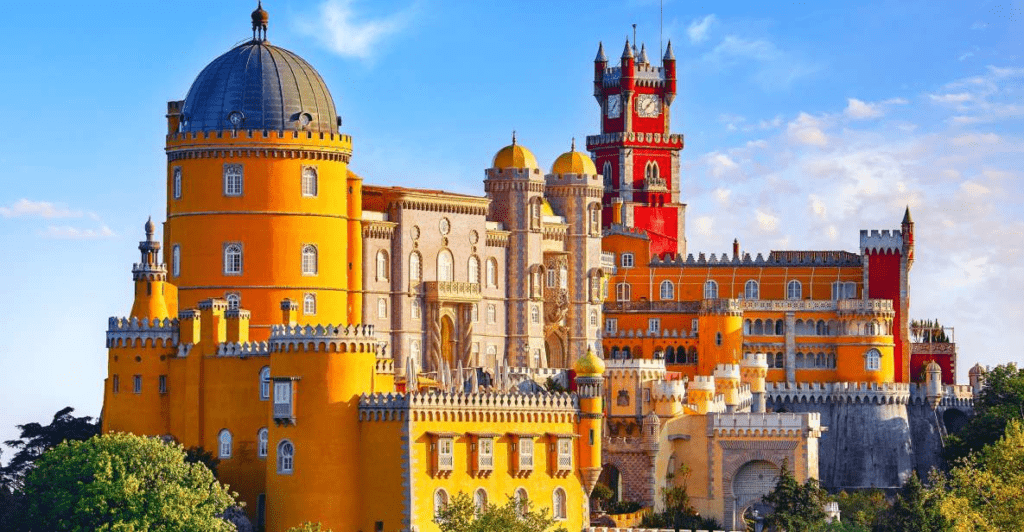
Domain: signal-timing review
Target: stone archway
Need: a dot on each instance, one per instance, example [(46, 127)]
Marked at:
[(555, 349), (611, 477), (754, 480)]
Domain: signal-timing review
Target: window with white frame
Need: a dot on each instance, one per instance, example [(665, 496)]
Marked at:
[(382, 307), (310, 264), (233, 259), (492, 272), (445, 266), (751, 290), (611, 325), (474, 269), (563, 277), (874, 360), (309, 181), (177, 182), (262, 437), (224, 447), (265, 383), (492, 314), (626, 260), (480, 500), (564, 450), (445, 453), (283, 399), (654, 325), (234, 300), (526, 453), (285, 457), (475, 312), (523, 500), (559, 504), (414, 350), (595, 220), (651, 171), (492, 355), (232, 180), (668, 290), (309, 304), (137, 384), (440, 500), (710, 289), (534, 314), (794, 290), (622, 292), (415, 266), (694, 324), (382, 265), (176, 260), (593, 318), (416, 310), (485, 453)]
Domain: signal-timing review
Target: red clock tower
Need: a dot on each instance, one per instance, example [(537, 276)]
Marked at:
[(636, 152)]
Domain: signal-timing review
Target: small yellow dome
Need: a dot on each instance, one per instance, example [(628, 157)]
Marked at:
[(546, 210), (514, 156), (589, 364), (574, 162)]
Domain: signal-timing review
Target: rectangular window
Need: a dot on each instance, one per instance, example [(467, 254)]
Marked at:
[(115, 384), (382, 308), (416, 308), (163, 384), (654, 325), (492, 314), (177, 182), (552, 278), (526, 454), (693, 326), (611, 325), (476, 312), (475, 350), (485, 454), (137, 386), (283, 399), (851, 290), (627, 260), (647, 395), (261, 511), (564, 454), (445, 454), (232, 180)]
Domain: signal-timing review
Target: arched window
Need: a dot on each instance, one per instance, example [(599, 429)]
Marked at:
[(746, 327), (751, 290), (523, 500), (176, 260), (710, 289), (691, 356), (177, 182), (794, 290), (492, 314), (261, 442), (309, 304), (415, 266), (492, 272), (718, 339), (233, 259), (382, 307), (480, 500), (232, 180), (874, 360), (535, 209), (445, 266), (799, 360), (558, 504), (440, 500), (474, 269), (492, 355), (622, 292), (535, 314), (309, 181), (309, 260), (607, 174), (265, 383), (382, 265), (224, 447), (234, 300), (668, 291), (593, 318), (417, 310), (414, 351), (285, 457), (758, 328), (651, 170)]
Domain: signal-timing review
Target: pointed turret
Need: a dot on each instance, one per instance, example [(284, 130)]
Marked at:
[(601, 58), (906, 217), (627, 53), (149, 276), (907, 227), (668, 63), (669, 56), (643, 55)]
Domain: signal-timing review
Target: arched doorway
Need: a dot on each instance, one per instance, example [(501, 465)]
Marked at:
[(447, 340), (610, 477), (754, 480), (554, 348)]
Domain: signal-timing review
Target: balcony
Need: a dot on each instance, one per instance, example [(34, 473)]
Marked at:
[(655, 184), (690, 307), (452, 291)]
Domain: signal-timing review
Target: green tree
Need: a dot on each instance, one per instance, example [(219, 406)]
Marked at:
[(862, 508), (199, 455), (915, 509), (600, 496), (125, 483), (678, 514), (1001, 400), (36, 439), (461, 515), (986, 491), (796, 507), (309, 527)]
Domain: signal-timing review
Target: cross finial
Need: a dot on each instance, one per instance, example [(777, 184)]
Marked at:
[(513, 137)]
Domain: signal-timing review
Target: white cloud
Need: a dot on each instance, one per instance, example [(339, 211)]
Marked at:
[(721, 164), (760, 143), (959, 97), (973, 188), (722, 195), (859, 110), (979, 25), (74, 233), (41, 209), (698, 29), (807, 130), (704, 225), (341, 30), (818, 207), (766, 221), (974, 139)]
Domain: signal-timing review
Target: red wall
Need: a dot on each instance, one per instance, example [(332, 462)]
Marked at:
[(884, 283), (919, 360), (660, 224)]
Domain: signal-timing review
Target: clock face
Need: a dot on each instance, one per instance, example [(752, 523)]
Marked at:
[(648, 105), (235, 118), (614, 106)]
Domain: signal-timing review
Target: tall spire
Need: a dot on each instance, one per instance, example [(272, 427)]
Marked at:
[(669, 56), (628, 51), (906, 217), (601, 58)]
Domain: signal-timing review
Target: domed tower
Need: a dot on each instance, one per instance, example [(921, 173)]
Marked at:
[(260, 204), (150, 278), (515, 186), (573, 188), (589, 388)]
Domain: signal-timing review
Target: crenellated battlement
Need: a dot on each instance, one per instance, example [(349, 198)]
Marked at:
[(674, 391), (765, 425), (258, 134), (883, 241), (133, 332), (384, 407), (243, 349), (359, 338), (672, 140), (775, 258), (864, 393), (705, 383), (727, 372), (754, 360), (624, 230)]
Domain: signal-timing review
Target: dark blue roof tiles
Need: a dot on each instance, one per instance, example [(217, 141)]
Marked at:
[(264, 87)]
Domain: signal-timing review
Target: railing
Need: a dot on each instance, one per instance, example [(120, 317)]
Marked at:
[(649, 306), (655, 183), (526, 459), (865, 305), (933, 348), (564, 462), (791, 305), (608, 261), (283, 410), (485, 462), (445, 462), (451, 291)]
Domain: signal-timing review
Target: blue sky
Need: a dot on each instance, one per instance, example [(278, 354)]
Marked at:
[(804, 123)]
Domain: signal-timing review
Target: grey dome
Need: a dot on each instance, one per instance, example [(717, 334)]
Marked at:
[(264, 87)]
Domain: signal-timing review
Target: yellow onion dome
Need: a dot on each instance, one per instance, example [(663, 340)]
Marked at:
[(514, 156), (574, 162), (589, 364)]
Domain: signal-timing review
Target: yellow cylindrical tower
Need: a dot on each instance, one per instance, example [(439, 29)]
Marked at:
[(150, 279), (727, 383), (700, 393), (589, 385), (720, 328), (754, 371)]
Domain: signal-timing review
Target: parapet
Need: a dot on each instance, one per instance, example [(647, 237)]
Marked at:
[(672, 140), (133, 332), (775, 258), (840, 392), (458, 406), (765, 425), (754, 360), (243, 349), (336, 338), (703, 383), (674, 390), (625, 230), (727, 372), (876, 241)]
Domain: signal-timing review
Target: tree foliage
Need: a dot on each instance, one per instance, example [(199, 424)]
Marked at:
[(678, 514), (915, 509), (862, 508), (309, 527), (797, 507), (985, 492), (1001, 399), (928, 331), (125, 483), (461, 515), (36, 439)]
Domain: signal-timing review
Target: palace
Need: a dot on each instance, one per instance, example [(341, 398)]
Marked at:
[(358, 354)]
